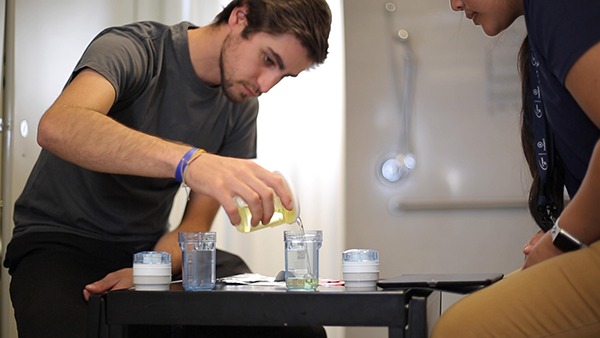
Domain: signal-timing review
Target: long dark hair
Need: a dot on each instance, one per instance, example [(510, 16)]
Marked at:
[(554, 187)]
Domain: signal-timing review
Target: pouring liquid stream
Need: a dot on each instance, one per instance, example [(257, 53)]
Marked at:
[(308, 281)]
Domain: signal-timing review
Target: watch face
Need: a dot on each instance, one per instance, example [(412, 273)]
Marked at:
[(565, 242)]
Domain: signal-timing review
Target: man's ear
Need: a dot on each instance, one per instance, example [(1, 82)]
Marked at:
[(238, 15)]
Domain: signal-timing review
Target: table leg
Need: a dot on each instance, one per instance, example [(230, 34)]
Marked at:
[(417, 317), (96, 321), (395, 332)]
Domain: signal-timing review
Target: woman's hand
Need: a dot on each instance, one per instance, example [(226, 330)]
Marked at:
[(121, 279), (527, 247), (540, 251)]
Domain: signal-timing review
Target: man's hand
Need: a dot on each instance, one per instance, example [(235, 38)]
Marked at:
[(121, 279), (224, 178)]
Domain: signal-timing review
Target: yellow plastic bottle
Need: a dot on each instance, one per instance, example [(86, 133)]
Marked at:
[(280, 216)]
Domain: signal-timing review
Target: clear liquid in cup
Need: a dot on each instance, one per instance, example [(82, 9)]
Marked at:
[(302, 259), (199, 270)]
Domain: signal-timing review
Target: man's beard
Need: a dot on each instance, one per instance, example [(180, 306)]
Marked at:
[(228, 85)]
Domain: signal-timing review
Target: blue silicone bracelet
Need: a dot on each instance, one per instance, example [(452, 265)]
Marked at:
[(183, 164)]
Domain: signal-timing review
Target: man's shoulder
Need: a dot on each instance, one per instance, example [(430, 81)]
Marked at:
[(147, 30), (142, 29)]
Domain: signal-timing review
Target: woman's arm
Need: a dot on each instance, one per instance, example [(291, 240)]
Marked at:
[(583, 82), (581, 217)]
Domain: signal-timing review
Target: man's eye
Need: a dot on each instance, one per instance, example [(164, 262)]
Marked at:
[(268, 61)]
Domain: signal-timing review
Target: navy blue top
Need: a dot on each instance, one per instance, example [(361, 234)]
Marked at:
[(560, 32)]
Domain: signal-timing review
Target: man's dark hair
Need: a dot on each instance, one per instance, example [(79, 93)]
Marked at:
[(308, 20)]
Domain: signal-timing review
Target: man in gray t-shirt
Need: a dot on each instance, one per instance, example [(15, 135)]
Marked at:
[(151, 97), (147, 108)]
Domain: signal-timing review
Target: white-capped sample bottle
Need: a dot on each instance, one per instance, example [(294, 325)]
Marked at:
[(281, 215)]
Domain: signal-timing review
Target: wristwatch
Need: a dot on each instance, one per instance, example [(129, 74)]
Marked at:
[(564, 240)]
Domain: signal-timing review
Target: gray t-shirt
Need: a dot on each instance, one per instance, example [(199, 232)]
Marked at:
[(159, 94)]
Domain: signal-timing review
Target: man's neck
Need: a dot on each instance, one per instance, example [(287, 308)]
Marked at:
[(205, 52)]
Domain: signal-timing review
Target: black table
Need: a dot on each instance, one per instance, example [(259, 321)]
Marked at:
[(406, 313)]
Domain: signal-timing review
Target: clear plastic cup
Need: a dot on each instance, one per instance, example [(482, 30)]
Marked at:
[(302, 259), (198, 260)]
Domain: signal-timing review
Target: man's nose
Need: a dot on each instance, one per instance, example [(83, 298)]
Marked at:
[(267, 81), (456, 5)]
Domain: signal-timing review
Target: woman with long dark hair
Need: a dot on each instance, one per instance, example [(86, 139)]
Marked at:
[(557, 293)]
